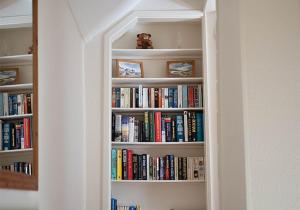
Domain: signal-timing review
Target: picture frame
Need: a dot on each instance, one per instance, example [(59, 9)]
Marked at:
[(181, 68), (129, 69), (9, 75)]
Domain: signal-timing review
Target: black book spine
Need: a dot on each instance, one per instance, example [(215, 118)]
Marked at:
[(194, 132), (144, 167), (140, 163), (156, 98), (190, 126), (135, 166), (151, 168), (113, 127), (136, 97), (179, 168), (172, 168), (184, 168), (174, 138), (124, 164)]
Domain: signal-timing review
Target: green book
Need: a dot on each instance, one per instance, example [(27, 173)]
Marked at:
[(152, 126), (146, 125)]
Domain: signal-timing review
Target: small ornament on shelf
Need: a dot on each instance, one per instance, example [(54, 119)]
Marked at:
[(30, 50), (143, 41)]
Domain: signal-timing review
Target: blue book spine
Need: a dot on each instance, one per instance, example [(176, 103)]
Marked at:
[(118, 97), (6, 136), (175, 97), (168, 129), (132, 208), (171, 98), (1, 105), (184, 96), (179, 123), (114, 204), (172, 168), (114, 164), (10, 105), (14, 104), (162, 167), (199, 126), (18, 136)]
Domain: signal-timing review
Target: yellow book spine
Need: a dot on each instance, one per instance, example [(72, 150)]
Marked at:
[(119, 164)]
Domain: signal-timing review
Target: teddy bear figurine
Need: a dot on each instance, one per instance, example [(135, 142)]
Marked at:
[(143, 41)]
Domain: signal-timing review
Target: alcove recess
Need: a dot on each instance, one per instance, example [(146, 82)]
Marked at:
[(172, 41)]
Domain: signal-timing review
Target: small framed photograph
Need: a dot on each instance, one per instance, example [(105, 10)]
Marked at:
[(181, 68), (9, 76), (130, 69)]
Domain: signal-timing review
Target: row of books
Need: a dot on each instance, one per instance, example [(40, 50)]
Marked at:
[(129, 166), (158, 127), (116, 206), (182, 96), (16, 135), (15, 104), (21, 167)]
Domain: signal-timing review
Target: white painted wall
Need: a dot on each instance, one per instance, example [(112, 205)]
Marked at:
[(270, 42), (62, 113)]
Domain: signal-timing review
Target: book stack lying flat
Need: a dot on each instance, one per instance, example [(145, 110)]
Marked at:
[(127, 165), (16, 135), (116, 206), (21, 167), (158, 127), (181, 96), (15, 104)]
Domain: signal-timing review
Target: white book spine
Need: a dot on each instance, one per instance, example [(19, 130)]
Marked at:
[(19, 101), (145, 97), (127, 96), (166, 98), (122, 97), (152, 98), (5, 104), (133, 98), (162, 97), (131, 129), (148, 167), (118, 128), (179, 96), (140, 96), (185, 125)]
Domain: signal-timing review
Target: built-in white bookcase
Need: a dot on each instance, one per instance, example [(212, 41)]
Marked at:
[(175, 40), (15, 41)]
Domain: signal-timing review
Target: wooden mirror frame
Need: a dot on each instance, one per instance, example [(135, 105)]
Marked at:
[(18, 180)]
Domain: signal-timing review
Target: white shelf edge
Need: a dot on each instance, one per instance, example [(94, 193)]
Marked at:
[(158, 181), (15, 151), (21, 21), (16, 60), (27, 86), (15, 116), (157, 80), (155, 109)]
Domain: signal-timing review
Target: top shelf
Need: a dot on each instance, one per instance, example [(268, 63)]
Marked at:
[(156, 53), (16, 60)]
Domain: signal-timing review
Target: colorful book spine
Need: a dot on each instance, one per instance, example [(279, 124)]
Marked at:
[(179, 127), (151, 127), (124, 165), (119, 164), (113, 98), (130, 164), (118, 128), (158, 127), (125, 128), (27, 140), (114, 164)]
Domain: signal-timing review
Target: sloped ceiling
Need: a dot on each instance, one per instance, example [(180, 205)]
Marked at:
[(95, 16)]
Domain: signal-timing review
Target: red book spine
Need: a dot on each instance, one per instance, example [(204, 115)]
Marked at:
[(157, 126), (191, 97), (129, 165), (167, 167), (113, 98), (26, 133)]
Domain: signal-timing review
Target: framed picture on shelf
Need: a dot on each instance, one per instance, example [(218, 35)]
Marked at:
[(181, 68), (8, 76), (130, 69)]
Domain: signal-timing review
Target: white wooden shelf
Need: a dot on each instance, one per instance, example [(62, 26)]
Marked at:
[(20, 21), (155, 109), (166, 80), (15, 151), (16, 60), (181, 145), (17, 87), (158, 181), (156, 53), (11, 117)]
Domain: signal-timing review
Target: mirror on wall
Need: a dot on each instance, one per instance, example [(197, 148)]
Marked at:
[(18, 95)]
